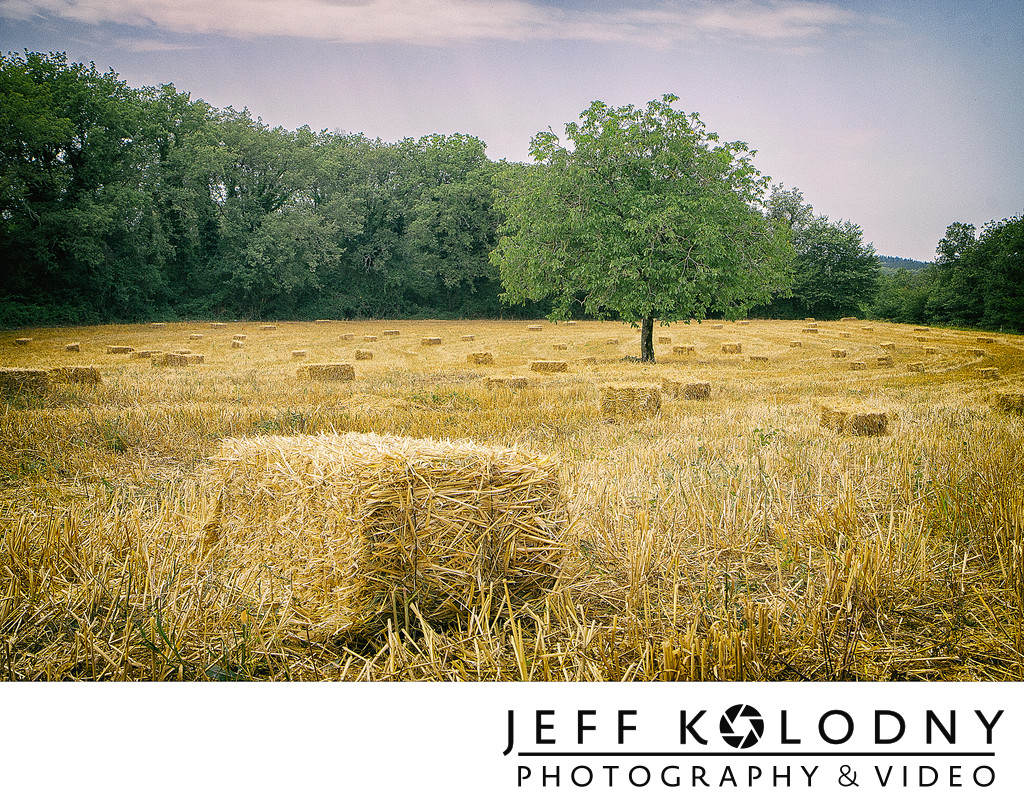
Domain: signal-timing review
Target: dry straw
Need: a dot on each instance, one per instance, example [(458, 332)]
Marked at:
[(511, 382), (743, 322), (630, 400), (763, 358), (850, 420), (348, 337), (612, 341), (921, 328), (931, 350), (73, 347), (809, 320), (986, 340), (218, 325), (299, 354), (75, 375), (481, 358), (884, 361), (916, 367), (1012, 403), (811, 329), (324, 322), (239, 337), (847, 319), (534, 328), (362, 354), (795, 343), (548, 366), (345, 531), (989, 373), (148, 353), (839, 353), (335, 372), (888, 346), (23, 341), (237, 343), (158, 325), (867, 328), (977, 352), (560, 346), (664, 340), (178, 359), (684, 349), (858, 365), (370, 338), (430, 341), (391, 332), (845, 334), (24, 381), (717, 326), (921, 339), (119, 349), (268, 327), (692, 391), (195, 336), (732, 347), (468, 337)]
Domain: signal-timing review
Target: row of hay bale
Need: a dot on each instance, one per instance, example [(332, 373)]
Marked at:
[(38, 381)]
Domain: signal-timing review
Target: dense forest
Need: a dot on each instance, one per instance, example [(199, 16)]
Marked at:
[(123, 204)]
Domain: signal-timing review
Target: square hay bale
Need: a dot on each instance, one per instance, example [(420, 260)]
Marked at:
[(269, 327), (1012, 403), (684, 349), (763, 358), (854, 421), (534, 328), (847, 319), (732, 347), (810, 319), (867, 328), (548, 366), (468, 337), (195, 336), (362, 354), (331, 372), (299, 354), (480, 358), (391, 332), (691, 391), (323, 321), (921, 339), (588, 360), (569, 322), (178, 359), (663, 340), (916, 367), (795, 343), (630, 400), (989, 373), (977, 352), (888, 346), (145, 354), (839, 353), (811, 329), (24, 381), (560, 346), (119, 349), (73, 347), (931, 350), (921, 328), (370, 338), (22, 341), (612, 341), (986, 340), (430, 341), (218, 325), (75, 375), (237, 343), (858, 365), (511, 382), (743, 322), (158, 325), (717, 326), (349, 530), (239, 337), (348, 337), (884, 361)]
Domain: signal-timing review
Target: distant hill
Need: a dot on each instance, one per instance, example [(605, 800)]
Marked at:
[(891, 263)]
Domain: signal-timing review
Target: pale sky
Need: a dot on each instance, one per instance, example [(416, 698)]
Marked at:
[(899, 116)]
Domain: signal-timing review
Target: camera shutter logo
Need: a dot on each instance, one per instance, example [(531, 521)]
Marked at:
[(741, 726)]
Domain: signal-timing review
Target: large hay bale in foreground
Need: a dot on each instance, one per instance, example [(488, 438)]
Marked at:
[(24, 381), (630, 400), (854, 421), (343, 530), (480, 358), (331, 372), (511, 382), (75, 375), (548, 366)]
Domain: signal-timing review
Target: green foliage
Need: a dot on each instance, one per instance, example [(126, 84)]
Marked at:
[(646, 215)]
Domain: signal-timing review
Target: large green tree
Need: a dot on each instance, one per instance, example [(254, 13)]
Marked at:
[(642, 214)]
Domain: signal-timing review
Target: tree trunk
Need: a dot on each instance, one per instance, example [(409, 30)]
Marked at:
[(647, 340)]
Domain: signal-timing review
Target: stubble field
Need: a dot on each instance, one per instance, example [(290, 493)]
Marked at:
[(730, 538)]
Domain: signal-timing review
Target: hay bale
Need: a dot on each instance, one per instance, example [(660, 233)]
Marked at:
[(989, 373), (239, 337), (931, 350), (430, 341), (732, 347), (628, 401), (268, 328), (158, 325), (332, 372), (663, 340), (867, 328), (979, 352), (858, 365), (845, 334), (145, 354), (178, 359), (612, 341), (921, 328), (560, 346), (759, 358), (481, 358), (691, 391), (570, 322), (884, 361), (348, 337), (888, 346), (194, 337), (916, 367), (548, 366), (811, 329), (847, 319), (810, 319), (717, 326), (370, 338), (22, 341), (684, 349), (75, 375), (391, 332), (73, 347), (119, 349), (299, 354), (588, 360), (854, 421), (468, 337), (237, 343), (534, 328), (1012, 403), (324, 322), (218, 325), (795, 343), (743, 322), (839, 353), (986, 340), (24, 381), (348, 530), (511, 382), (362, 354)]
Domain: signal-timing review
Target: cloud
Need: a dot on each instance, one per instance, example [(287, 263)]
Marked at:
[(437, 22)]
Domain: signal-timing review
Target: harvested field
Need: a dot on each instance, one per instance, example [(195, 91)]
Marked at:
[(177, 523)]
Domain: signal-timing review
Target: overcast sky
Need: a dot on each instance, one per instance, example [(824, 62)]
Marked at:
[(899, 116)]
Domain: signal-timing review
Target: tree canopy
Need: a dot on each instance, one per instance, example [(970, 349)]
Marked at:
[(642, 214)]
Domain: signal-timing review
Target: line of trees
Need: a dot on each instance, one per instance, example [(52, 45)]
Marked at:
[(122, 204)]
